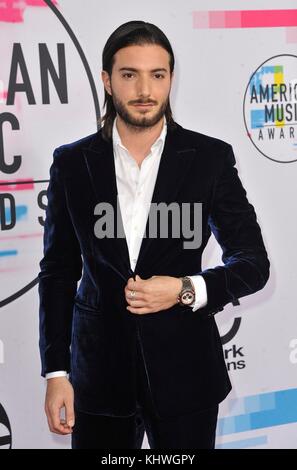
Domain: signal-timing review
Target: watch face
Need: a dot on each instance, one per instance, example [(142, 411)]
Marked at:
[(187, 297)]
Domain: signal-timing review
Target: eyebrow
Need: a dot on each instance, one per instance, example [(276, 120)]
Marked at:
[(131, 69)]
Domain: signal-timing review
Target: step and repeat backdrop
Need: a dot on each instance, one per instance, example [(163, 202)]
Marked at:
[(235, 79)]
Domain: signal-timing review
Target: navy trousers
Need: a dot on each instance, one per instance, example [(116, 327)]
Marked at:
[(190, 431)]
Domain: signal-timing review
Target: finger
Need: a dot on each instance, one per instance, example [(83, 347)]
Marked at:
[(49, 419), (131, 283), (137, 284), (49, 415), (51, 425), (128, 290), (57, 423), (69, 413), (137, 297), (136, 303), (139, 310), (139, 293), (141, 288), (64, 424)]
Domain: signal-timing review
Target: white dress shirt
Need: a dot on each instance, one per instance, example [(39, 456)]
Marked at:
[(135, 187)]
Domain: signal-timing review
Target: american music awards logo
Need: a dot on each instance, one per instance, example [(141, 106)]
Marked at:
[(5, 430), (47, 98), (270, 108)]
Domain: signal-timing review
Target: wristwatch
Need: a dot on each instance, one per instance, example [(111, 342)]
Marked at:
[(187, 293)]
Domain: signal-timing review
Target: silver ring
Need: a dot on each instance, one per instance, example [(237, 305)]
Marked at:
[(132, 293)]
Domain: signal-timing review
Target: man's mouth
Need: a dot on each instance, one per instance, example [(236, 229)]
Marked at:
[(143, 104)]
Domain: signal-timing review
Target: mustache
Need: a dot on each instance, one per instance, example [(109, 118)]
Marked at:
[(143, 102)]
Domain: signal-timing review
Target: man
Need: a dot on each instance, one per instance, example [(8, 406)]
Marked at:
[(145, 350)]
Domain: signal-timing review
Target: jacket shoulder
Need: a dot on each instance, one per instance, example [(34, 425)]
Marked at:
[(216, 152), (204, 140), (78, 145)]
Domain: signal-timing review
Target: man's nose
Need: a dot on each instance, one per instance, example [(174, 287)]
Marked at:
[(143, 87)]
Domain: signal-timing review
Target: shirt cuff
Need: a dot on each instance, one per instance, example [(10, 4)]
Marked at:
[(58, 373), (200, 292)]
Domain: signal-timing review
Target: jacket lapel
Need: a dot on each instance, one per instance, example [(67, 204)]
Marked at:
[(174, 163), (102, 177)]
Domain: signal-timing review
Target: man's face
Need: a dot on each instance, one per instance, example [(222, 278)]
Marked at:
[(140, 84)]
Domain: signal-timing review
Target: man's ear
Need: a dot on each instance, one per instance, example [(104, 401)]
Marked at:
[(106, 81)]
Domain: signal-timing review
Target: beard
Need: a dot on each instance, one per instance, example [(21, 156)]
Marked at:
[(141, 122)]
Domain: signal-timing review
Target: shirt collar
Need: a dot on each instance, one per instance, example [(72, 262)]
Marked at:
[(117, 140)]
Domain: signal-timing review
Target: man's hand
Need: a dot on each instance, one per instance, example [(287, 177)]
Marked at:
[(153, 294), (59, 394)]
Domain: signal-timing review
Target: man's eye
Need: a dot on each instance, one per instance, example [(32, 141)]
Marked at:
[(128, 75), (159, 75)]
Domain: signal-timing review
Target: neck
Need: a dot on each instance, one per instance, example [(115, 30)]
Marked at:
[(137, 141)]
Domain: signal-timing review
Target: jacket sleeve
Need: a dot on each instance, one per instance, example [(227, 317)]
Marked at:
[(234, 224), (60, 269)]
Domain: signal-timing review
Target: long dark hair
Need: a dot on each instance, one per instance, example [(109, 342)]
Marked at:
[(131, 33)]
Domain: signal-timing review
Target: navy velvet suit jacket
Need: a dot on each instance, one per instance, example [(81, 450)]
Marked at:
[(89, 332)]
